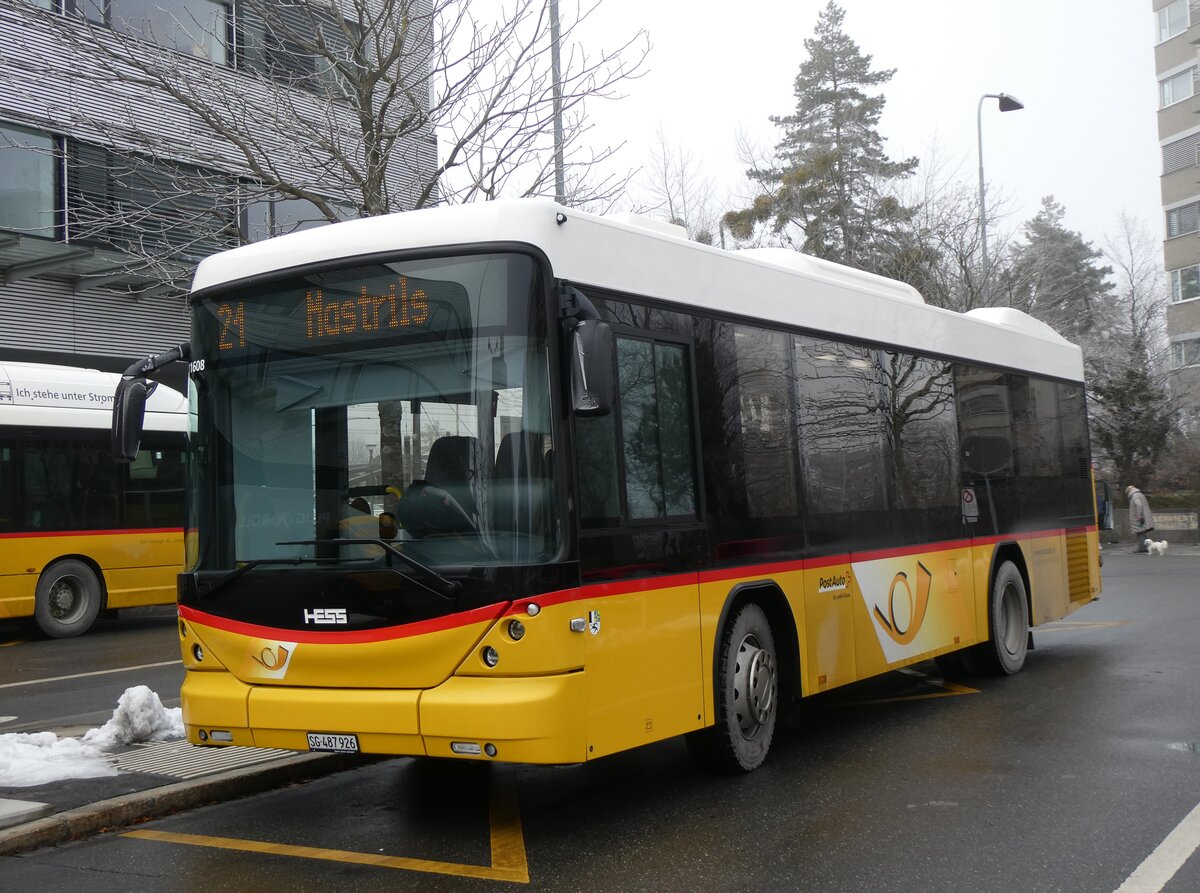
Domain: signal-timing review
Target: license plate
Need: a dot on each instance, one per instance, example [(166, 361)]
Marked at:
[(331, 743)]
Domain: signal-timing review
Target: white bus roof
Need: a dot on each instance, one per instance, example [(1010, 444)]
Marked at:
[(651, 260), (41, 395)]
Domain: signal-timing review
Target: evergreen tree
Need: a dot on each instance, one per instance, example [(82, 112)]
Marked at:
[(1135, 418), (830, 173), (1055, 276)]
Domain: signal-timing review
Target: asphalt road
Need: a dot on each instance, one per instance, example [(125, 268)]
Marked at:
[(1067, 777), (66, 685)]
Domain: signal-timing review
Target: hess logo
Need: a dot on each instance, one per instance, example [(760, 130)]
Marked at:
[(325, 615), (903, 625)]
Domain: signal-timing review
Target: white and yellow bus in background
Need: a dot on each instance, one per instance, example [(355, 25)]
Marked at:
[(81, 534)]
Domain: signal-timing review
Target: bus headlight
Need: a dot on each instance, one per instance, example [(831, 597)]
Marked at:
[(516, 630), (490, 656), (198, 653)]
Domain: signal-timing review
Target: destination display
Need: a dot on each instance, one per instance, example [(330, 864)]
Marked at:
[(373, 307)]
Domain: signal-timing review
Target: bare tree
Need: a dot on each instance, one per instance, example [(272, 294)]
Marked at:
[(938, 251), (344, 108), (1133, 414), (676, 185), (1136, 259)]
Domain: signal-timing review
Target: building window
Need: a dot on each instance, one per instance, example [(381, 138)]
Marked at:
[(298, 47), (134, 203), (28, 193), (1176, 88), (1185, 284), (1181, 221), (1180, 154), (195, 27), (1173, 19), (267, 218), (1185, 353)]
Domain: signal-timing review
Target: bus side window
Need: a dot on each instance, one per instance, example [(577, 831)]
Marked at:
[(655, 458), (8, 488)]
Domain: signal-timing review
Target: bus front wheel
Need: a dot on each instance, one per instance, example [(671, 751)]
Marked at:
[(1008, 615), (68, 599), (747, 699)]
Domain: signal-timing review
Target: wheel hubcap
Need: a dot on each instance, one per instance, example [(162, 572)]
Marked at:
[(66, 600), (1010, 614), (754, 686)]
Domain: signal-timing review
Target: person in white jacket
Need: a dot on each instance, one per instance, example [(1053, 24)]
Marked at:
[(1141, 519)]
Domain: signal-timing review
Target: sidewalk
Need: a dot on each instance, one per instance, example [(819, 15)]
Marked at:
[(154, 780), (1174, 550)]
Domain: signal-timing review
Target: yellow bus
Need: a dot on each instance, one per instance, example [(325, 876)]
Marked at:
[(515, 482), (81, 534)]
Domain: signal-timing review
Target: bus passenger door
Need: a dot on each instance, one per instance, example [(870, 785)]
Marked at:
[(641, 543)]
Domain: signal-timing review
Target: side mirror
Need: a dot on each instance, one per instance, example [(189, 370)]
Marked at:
[(129, 413), (592, 368), (129, 402)]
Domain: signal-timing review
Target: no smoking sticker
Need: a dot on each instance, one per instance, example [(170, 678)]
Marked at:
[(970, 508)]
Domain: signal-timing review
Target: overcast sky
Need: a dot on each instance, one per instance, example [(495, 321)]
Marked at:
[(1084, 70)]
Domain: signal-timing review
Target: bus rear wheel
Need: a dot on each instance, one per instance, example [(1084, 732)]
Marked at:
[(67, 600), (1008, 622), (747, 699)]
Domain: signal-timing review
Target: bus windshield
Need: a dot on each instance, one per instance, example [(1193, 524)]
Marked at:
[(345, 416)]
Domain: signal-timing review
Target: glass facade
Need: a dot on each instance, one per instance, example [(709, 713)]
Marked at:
[(28, 192)]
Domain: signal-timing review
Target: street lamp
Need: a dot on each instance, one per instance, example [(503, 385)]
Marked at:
[(560, 189), (1007, 104)]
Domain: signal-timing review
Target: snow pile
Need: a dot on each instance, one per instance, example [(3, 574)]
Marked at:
[(43, 757), (28, 759), (140, 716)]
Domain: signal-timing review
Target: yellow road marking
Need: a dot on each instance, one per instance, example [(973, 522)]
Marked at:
[(507, 838), (13, 642), (949, 690)]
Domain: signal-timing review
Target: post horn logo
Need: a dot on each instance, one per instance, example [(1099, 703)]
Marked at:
[(273, 659), (903, 635)]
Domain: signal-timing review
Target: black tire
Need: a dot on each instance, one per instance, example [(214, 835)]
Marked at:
[(1008, 625), (67, 600), (747, 696)]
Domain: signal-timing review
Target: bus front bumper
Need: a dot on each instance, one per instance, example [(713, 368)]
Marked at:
[(524, 719)]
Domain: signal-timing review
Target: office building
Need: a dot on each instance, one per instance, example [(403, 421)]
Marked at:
[(111, 189)]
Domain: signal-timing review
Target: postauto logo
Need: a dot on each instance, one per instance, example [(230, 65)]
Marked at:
[(897, 598)]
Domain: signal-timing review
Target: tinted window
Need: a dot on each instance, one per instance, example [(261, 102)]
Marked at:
[(986, 444), (922, 443), (919, 428), (656, 429), (768, 428), (839, 394), (1076, 453), (54, 483)]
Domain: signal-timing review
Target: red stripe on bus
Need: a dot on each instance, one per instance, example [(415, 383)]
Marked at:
[(123, 531), (609, 589), (345, 637)]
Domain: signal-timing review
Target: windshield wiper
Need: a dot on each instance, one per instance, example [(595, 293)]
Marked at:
[(447, 589), (244, 566)]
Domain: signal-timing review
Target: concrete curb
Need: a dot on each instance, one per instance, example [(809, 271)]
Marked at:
[(130, 809)]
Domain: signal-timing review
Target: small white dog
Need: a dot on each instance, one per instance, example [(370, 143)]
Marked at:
[(1156, 548)]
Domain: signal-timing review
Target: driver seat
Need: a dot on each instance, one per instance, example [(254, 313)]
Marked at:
[(452, 466)]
